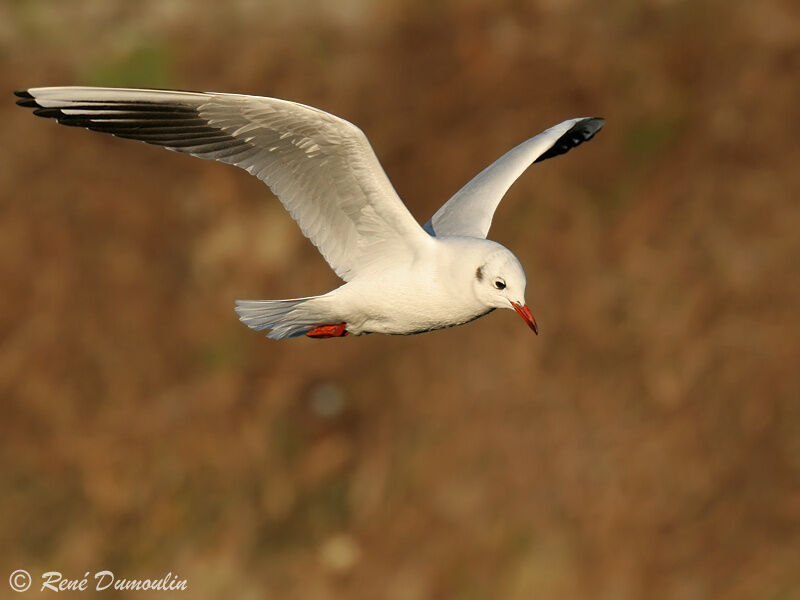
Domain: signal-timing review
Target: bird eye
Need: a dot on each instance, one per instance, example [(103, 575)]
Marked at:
[(500, 284)]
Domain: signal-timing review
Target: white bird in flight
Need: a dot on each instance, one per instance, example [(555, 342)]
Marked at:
[(400, 278)]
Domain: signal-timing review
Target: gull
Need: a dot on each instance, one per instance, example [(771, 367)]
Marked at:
[(400, 278)]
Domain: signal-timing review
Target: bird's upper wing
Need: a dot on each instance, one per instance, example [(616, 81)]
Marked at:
[(470, 211), (321, 167)]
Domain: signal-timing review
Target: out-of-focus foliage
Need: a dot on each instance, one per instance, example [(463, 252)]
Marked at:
[(646, 445)]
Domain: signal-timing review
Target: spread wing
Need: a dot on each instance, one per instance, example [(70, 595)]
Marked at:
[(321, 167), (470, 211)]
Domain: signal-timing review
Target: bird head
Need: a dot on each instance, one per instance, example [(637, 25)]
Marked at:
[(499, 282)]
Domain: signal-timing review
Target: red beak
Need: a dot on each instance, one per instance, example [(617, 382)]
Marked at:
[(525, 313)]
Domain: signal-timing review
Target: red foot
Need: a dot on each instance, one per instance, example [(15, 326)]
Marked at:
[(327, 331)]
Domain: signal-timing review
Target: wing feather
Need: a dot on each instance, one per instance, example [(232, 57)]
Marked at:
[(469, 212), (321, 167)]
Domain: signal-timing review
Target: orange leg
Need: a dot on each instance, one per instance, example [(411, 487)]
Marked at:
[(327, 331)]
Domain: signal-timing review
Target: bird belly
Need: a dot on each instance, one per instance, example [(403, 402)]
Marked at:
[(424, 325), (398, 312)]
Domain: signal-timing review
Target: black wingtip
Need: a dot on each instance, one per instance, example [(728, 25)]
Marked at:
[(48, 112), (580, 132), (25, 99), (593, 123)]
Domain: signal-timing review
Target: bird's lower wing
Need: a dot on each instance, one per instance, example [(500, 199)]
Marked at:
[(470, 211), (321, 167)]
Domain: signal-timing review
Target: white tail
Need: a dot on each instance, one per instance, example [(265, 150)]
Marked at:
[(285, 318)]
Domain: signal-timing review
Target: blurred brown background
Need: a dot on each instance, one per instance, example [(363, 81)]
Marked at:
[(646, 445)]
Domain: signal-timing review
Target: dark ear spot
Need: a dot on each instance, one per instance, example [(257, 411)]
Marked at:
[(479, 274)]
